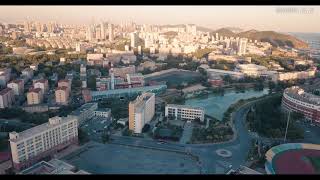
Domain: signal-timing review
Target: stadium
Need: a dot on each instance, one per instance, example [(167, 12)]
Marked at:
[(293, 158)]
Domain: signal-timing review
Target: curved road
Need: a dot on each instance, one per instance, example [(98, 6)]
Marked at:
[(210, 162)]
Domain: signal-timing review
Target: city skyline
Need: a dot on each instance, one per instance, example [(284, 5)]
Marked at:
[(275, 18)]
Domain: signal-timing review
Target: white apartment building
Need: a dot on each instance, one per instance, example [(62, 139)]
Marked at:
[(6, 98), (134, 39), (184, 112), (29, 146), (141, 111), (17, 86), (242, 48)]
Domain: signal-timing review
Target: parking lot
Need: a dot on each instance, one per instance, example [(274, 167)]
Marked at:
[(95, 127), (100, 158)]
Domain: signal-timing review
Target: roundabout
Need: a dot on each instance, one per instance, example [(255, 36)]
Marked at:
[(224, 153)]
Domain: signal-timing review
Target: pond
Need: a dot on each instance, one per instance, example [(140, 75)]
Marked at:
[(215, 105)]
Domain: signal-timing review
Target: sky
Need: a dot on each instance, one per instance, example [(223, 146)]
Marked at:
[(276, 18)]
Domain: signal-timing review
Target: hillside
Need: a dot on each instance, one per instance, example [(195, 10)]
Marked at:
[(224, 32), (275, 38)]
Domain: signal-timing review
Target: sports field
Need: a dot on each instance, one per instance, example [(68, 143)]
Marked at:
[(176, 78), (298, 161)]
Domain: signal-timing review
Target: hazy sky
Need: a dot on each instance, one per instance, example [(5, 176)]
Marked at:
[(301, 19)]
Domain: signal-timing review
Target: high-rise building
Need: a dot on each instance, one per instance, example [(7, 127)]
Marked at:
[(134, 39), (32, 145), (102, 31), (111, 35), (191, 29), (242, 46), (27, 26), (89, 33), (141, 111)]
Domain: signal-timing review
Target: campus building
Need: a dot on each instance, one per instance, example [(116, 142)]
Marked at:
[(141, 111), (184, 112), (297, 100), (30, 146), (85, 112)]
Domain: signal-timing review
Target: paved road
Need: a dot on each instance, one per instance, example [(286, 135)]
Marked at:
[(187, 133), (210, 162)]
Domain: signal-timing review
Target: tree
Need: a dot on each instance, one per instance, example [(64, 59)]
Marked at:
[(82, 136), (92, 82)]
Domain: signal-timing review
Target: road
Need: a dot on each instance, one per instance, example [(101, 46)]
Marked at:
[(209, 161), (187, 133)]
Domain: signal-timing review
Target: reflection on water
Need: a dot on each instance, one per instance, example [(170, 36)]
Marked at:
[(215, 105)]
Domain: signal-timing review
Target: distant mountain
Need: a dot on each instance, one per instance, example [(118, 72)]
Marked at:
[(223, 32), (274, 38), (203, 29), (234, 29), (173, 25)]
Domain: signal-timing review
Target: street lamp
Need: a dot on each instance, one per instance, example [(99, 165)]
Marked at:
[(285, 135)]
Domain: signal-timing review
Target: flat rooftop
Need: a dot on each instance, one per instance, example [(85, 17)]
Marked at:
[(185, 106), (38, 129)]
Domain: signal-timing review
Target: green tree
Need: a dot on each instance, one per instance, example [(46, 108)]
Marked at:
[(92, 82)]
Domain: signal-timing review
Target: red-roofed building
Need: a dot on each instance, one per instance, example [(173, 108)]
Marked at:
[(65, 83)]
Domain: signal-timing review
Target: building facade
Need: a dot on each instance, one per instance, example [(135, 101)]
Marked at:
[(17, 86), (297, 100), (141, 111), (85, 112), (34, 96), (31, 145), (42, 84), (6, 98), (62, 95), (184, 112)]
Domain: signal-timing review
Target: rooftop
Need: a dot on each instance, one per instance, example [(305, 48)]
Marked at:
[(298, 93), (127, 90), (16, 81), (184, 106), (62, 88), (35, 90), (39, 129), (83, 108)]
